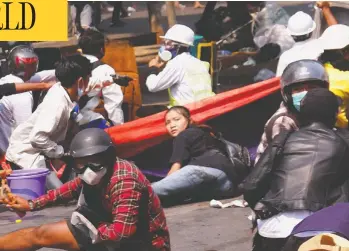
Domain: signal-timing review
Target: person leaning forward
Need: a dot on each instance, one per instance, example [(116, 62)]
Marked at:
[(117, 208)]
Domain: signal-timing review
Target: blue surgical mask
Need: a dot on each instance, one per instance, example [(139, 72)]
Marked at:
[(297, 98)]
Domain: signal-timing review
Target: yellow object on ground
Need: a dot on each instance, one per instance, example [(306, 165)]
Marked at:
[(18, 221), (325, 242), (339, 85)]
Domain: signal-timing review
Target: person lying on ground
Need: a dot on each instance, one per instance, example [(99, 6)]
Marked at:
[(300, 173), (298, 78), (117, 208), (37, 139), (200, 167), (15, 88)]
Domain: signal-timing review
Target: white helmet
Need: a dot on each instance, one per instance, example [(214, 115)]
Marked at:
[(300, 24), (335, 37), (181, 34)]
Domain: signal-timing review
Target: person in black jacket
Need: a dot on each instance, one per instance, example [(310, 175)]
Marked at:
[(309, 172)]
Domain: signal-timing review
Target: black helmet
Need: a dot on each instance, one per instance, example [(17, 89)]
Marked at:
[(305, 70), (89, 142), (19, 58)]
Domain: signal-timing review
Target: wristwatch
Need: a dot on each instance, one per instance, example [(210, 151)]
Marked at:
[(31, 205)]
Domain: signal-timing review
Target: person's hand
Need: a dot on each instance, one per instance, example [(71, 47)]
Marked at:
[(17, 203), (107, 83), (156, 62), (49, 85), (323, 4)]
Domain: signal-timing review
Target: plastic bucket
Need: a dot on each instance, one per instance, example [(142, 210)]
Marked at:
[(28, 183)]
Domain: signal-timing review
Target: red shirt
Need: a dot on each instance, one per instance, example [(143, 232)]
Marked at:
[(121, 198)]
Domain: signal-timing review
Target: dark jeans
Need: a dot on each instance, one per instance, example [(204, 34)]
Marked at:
[(117, 10), (291, 243)]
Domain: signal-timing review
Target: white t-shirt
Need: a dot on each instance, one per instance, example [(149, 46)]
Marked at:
[(40, 134), (282, 224), (309, 49)]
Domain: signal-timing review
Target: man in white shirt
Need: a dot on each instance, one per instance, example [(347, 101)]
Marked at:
[(37, 138), (186, 77), (300, 26), (15, 109), (92, 44)]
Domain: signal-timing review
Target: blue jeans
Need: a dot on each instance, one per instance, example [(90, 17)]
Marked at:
[(194, 182)]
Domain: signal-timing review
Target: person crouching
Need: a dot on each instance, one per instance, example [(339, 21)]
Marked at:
[(117, 208)]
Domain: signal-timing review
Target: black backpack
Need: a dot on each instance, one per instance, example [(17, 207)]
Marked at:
[(239, 156)]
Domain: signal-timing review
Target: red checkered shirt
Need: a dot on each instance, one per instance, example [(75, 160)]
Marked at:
[(281, 123), (121, 197)]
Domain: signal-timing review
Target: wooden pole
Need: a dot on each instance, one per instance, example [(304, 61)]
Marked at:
[(154, 13), (70, 22), (171, 13)]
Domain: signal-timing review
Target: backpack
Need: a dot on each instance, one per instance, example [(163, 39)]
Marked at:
[(239, 156)]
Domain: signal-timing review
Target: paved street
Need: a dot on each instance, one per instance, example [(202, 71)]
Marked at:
[(194, 227)]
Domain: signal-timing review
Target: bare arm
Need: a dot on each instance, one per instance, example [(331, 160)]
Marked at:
[(175, 167), (326, 10), (25, 87)]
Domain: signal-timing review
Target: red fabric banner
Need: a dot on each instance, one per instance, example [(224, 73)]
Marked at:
[(136, 136)]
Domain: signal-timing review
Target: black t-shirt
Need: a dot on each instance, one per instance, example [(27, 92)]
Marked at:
[(194, 146), (7, 89)]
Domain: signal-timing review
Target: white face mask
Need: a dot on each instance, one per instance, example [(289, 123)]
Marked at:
[(93, 178), (80, 92)]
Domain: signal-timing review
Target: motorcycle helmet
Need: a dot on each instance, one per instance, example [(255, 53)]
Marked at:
[(298, 72), (22, 61)]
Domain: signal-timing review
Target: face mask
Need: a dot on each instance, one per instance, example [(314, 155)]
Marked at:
[(93, 178), (80, 92), (297, 98), (166, 53)]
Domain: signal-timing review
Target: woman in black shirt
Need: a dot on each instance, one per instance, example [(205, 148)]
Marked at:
[(199, 167)]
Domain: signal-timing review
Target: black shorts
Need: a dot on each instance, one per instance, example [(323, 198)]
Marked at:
[(84, 240)]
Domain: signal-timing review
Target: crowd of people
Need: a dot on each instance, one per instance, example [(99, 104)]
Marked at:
[(298, 177)]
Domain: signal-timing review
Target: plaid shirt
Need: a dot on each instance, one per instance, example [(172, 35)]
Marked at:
[(281, 123), (121, 197)]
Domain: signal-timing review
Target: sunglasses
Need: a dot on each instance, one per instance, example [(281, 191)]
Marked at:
[(93, 166)]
